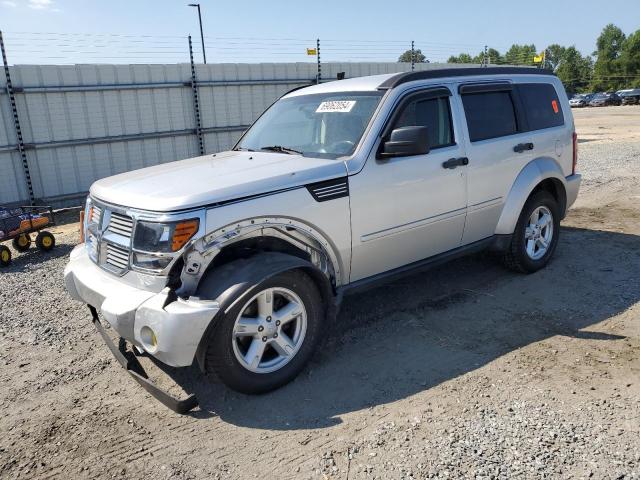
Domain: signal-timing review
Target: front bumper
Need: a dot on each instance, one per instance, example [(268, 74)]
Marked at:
[(131, 364), (177, 325)]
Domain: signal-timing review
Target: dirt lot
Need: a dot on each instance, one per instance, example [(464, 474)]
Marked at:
[(464, 371)]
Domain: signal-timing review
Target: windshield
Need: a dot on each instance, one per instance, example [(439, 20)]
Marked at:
[(327, 125)]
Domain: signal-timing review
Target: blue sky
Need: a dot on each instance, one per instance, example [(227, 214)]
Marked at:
[(76, 31)]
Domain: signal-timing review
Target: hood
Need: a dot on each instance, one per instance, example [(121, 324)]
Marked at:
[(212, 178)]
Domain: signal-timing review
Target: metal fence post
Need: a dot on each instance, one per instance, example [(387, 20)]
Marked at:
[(319, 75), (196, 102), (413, 57), (16, 123)]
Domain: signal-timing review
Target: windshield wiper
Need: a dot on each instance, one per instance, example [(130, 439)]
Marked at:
[(242, 149), (281, 149)]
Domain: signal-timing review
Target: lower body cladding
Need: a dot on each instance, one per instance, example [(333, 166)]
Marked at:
[(168, 330)]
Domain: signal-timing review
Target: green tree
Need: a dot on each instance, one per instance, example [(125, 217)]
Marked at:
[(492, 54), (574, 70), (630, 60), (462, 58), (553, 56), (608, 68), (418, 57), (520, 54)]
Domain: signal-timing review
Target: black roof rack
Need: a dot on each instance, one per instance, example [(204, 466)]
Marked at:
[(405, 77)]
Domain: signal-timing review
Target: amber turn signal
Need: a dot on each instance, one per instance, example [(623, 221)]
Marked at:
[(183, 233), (81, 226)]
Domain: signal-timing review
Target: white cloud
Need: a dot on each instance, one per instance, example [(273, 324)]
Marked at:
[(8, 3), (40, 4)]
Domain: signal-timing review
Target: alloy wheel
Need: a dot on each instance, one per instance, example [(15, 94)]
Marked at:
[(539, 233), (269, 330)]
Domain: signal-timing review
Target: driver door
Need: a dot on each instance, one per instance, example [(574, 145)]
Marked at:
[(405, 209)]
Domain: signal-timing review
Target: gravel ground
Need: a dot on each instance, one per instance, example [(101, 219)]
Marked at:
[(463, 371)]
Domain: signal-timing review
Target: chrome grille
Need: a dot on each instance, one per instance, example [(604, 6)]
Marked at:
[(92, 245), (117, 257), (96, 214), (120, 224)]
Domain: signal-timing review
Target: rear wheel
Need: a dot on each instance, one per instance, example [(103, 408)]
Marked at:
[(5, 256), (22, 242), (536, 235), (268, 337), (45, 241)]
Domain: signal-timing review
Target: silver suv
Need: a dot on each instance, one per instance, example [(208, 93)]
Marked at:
[(239, 260)]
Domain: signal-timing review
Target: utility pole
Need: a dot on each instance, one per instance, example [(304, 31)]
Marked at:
[(204, 54), (196, 101), (319, 75), (16, 123), (413, 56), (486, 57)]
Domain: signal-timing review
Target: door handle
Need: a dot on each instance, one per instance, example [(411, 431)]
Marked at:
[(455, 162), (521, 147)]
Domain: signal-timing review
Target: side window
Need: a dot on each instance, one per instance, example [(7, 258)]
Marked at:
[(541, 105), (433, 113), (489, 115)]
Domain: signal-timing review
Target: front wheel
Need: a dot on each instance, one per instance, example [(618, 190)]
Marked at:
[(5, 256), (268, 337), (536, 235), (45, 241), (22, 242)]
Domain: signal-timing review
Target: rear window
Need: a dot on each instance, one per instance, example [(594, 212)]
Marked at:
[(541, 105), (489, 115)]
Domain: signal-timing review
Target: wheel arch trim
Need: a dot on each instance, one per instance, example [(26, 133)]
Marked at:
[(323, 253), (532, 175)]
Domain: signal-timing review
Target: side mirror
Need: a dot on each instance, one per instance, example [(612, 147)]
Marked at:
[(406, 141)]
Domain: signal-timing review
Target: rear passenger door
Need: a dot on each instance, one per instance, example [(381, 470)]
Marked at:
[(547, 128), (507, 127)]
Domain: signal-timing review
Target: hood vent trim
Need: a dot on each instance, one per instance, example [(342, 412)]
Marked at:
[(330, 189)]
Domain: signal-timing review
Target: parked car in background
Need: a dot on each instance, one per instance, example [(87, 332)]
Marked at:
[(604, 99), (620, 92), (631, 97), (579, 101), (238, 261)]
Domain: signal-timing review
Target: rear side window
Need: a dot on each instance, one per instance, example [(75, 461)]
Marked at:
[(489, 115), (541, 105), (433, 113)]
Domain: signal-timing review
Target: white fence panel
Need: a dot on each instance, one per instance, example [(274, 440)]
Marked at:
[(81, 123)]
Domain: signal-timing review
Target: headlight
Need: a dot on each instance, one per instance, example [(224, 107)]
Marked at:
[(164, 237)]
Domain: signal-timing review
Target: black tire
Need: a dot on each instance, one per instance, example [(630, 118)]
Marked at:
[(516, 257), (22, 242), (45, 241), (5, 256), (221, 359)]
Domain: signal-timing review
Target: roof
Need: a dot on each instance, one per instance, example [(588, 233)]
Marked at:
[(392, 80), (401, 78)]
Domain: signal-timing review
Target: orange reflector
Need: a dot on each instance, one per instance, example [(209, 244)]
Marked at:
[(182, 233), (554, 104), (81, 226)]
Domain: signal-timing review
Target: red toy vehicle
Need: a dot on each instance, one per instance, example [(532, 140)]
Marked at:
[(19, 223)]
